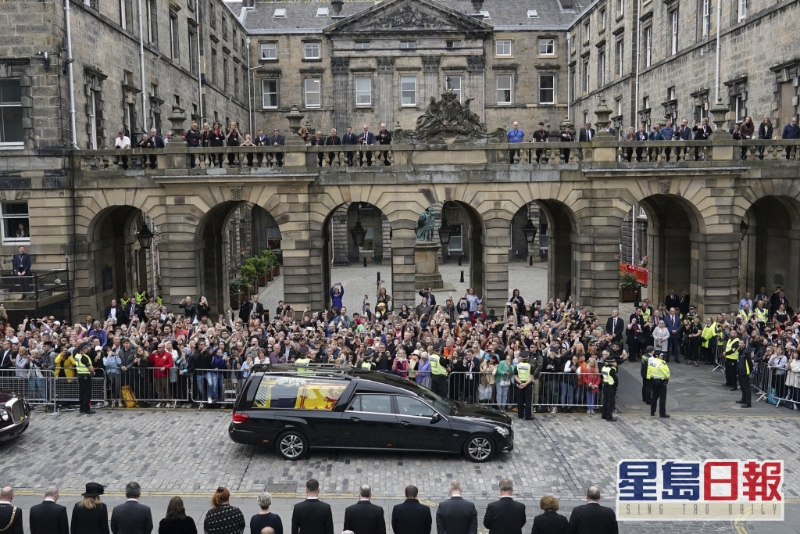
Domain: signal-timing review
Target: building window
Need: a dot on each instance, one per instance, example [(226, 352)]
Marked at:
[(586, 77), (620, 7), (453, 83), (193, 49), (16, 224), (235, 39), (225, 73), (601, 68), (504, 86), (502, 47), (408, 91), (235, 81), (152, 22), (212, 14), (674, 41), (213, 66), (586, 32), (362, 45), (620, 58), (706, 28), (322, 11), (741, 10), (10, 111), (547, 47), (646, 102), (279, 13), (311, 50), (408, 45), (571, 87), (269, 94), (269, 51), (123, 14), (174, 40), (456, 242), (648, 46), (224, 29), (547, 89), (533, 14), (312, 87), (452, 44), (602, 20), (363, 91)]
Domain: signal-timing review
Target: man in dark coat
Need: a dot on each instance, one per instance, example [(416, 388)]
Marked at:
[(49, 517), (364, 517), (411, 517), (591, 518), (312, 516), (505, 516), (9, 514), (456, 515), (132, 517)]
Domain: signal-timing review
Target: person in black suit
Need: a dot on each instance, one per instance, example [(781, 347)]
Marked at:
[(384, 137), (251, 310), (456, 515), (49, 517), (260, 140), (672, 300), (366, 139), (349, 138), (276, 139), (549, 522), (586, 134), (411, 517), (90, 516), (591, 518), (133, 310), (22, 267), (615, 326), (132, 517), (364, 517), (505, 516), (312, 516), (9, 514), (332, 140), (427, 294)]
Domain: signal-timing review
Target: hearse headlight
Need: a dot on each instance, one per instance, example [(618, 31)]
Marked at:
[(502, 431)]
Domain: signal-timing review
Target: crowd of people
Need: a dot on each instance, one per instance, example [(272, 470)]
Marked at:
[(455, 515)]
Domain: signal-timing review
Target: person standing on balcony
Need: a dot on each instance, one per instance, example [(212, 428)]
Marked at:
[(702, 132), (540, 136), (22, 267), (764, 132), (232, 137), (123, 142), (349, 138), (791, 131), (384, 137), (514, 135), (193, 140), (586, 134), (332, 140), (276, 139)]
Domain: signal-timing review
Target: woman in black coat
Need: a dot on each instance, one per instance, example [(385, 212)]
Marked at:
[(90, 516), (177, 522), (550, 522)]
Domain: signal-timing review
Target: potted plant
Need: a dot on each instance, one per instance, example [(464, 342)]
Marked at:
[(261, 265), (272, 260), (628, 287), (238, 287), (249, 274)]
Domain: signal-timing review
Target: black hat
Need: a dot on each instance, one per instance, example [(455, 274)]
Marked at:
[(650, 348), (93, 489), (81, 346)]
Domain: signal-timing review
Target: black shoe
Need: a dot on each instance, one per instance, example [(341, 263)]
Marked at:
[(520, 417), (678, 361), (665, 416), (652, 414), (740, 402), (90, 412), (529, 418), (746, 406), (734, 389), (611, 420)]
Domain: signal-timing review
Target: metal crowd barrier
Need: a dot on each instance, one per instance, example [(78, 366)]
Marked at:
[(151, 386), (776, 390), (216, 386), (66, 390), (37, 388), (552, 391)]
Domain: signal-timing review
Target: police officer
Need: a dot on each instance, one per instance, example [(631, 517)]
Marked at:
[(438, 374), (744, 366), (658, 373), (302, 364), (647, 357), (610, 383), (85, 371), (368, 364), (523, 378), (731, 359)]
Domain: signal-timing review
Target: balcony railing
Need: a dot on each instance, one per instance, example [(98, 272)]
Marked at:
[(602, 153)]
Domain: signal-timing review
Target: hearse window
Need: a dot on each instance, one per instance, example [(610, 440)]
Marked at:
[(298, 393), (371, 403), (411, 406)]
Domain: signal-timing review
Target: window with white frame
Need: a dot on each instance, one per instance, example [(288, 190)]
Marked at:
[(601, 68), (16, 224), (453, 83), (620, 57), (269, 94), (123, 14), (586, 79), (322, 11), (312, 87), (362, 45), (408, 90), (674, 39), (502, 47), (174, 38), (706, 24), (505, 84), (453, 43), (620, 7), (602, 20), (408, 45), (456, 243), (151, 11), (311, 50), (741, 10), (279, 13), (547, 47), (363, 91), (547, 89), (10, 111), (586, 32), (648, 46), (269, 51)]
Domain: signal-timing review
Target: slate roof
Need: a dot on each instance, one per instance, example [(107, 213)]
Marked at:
[(504, 15)]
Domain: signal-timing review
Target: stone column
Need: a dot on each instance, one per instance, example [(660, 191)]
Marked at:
[(295, 148), (716, 290), (403, 268), (598, 256), (495, 254), (430, 74), (476, 66), (301, 242), (340, 236), (385, 91), (719, 113), (340, 66)]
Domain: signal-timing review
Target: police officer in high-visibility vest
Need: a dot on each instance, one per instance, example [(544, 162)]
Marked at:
[(731, 357), (647, 357), (610, 383), (141, 296), (302, 364), (708, 344), (367, 364), (85, 371), (744, 366), (523, 381), (658, 373), (438, 374)]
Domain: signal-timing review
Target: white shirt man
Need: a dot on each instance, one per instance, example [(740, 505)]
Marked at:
[(123, 141)]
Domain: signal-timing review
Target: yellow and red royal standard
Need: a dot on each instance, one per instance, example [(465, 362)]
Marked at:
[(690, 490)]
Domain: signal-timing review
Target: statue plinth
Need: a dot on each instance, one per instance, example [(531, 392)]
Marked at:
[(426, 260)]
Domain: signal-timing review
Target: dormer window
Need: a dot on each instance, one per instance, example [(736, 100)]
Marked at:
[(533, 14), (280, 13), (322, 11)]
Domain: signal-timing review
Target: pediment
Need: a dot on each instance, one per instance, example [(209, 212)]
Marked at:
[(408, 16)]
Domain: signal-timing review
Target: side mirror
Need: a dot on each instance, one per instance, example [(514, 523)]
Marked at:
[(436, 418)]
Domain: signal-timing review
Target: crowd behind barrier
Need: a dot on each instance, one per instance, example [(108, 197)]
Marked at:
[(149, 356)]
